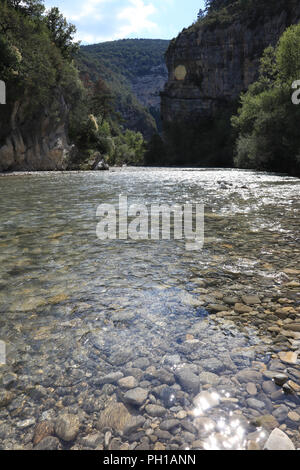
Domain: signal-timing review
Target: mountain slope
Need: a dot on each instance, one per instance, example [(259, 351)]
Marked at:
[(135, 71)]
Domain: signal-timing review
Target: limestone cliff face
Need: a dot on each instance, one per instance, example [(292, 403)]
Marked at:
[(147, 87), (36, 143), (212, 64)]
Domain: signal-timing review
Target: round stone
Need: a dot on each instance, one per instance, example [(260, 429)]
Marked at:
[(67, 427), (251, 389), (136, 397), (155, 410), (127, 383), (278, 440), (293, 416), (42, 430)]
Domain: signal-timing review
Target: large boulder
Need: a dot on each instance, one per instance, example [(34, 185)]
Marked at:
[(102, 166)]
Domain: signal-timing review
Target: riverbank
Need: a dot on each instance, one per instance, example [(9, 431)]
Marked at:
[(146, 168)]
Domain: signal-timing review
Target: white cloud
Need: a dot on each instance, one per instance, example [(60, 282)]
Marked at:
[(90, 8), (136, 18), (104, 20)]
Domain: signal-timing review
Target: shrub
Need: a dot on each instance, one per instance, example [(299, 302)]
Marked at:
[(267, 121)]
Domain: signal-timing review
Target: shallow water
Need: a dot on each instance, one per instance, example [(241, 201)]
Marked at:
[(74, 308)]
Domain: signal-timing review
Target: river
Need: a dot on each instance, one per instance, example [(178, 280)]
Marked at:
[(125, 344)]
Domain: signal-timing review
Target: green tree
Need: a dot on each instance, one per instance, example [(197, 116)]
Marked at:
[(32, 8), (267, 121), (102, 100), (62, 33), (288, 55)]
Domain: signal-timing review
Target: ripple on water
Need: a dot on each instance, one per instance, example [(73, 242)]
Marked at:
[(75, 310)]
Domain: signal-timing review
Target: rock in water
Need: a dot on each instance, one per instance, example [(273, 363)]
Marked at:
[(209, 378), (115, 416), (256, 404), (92, 440), (42, 430), (289, 357), (251, 389), (280, 379), (102, 166), (67, 427), (267, 422), (251, 299), (128, 382), (278, 440), (133, 424), (5, 398), (169, 424), (155, 410), (206, 400), (136, 397), (168, 397), (249, 375), (110, 378), (188, 380), (48, 443)]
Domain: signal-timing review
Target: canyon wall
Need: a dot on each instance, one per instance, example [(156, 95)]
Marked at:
[(38, 142), (211, 63)]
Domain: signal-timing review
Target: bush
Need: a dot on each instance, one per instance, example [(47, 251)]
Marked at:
[(268, 121)]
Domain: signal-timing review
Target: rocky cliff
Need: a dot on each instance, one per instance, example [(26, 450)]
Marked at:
[(147, 87), (37, 142), (212, 62)]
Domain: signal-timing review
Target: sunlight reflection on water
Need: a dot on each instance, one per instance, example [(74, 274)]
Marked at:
[(70, 303)]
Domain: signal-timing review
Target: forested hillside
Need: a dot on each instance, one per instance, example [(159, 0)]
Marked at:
[(135, 71), (211, 64)]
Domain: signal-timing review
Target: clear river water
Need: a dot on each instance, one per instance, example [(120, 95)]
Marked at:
[(142, 344)]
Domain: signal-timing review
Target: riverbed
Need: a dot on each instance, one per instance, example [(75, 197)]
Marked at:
[(125, 344)]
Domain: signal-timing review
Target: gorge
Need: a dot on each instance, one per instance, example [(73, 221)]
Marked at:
[(210, 64), (149, 307)]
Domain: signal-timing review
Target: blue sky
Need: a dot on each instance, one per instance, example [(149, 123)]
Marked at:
[(106, 20)]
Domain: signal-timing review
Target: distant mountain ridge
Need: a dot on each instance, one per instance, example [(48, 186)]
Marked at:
[(136, 72)]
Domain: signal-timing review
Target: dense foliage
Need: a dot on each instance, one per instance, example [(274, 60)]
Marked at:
[(96, 128), (128, 57), (268, 121), (31, 64), (218, 13), (37, 63)]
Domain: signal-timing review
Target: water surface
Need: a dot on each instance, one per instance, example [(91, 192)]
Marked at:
[(74, 308)]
